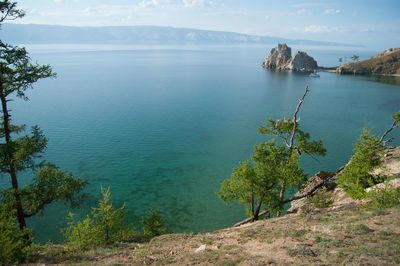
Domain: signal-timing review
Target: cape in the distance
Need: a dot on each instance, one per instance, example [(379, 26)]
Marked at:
[(53, 34)]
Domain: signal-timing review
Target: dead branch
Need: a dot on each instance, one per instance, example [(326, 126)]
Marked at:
[(295, 121), (382, 138)]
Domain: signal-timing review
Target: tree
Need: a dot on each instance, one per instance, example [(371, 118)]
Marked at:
[(274, 167), (104, 225), (11, 241), (355, 58), (395, 124), (356, 176), (152, 224), (21, 152)]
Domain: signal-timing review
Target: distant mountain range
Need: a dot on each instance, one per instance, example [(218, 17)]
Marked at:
[(51, 34)]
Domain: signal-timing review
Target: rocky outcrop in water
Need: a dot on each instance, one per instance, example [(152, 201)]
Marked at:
[(302, 62), (280, 58)]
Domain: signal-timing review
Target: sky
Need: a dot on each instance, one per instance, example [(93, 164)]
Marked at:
[(366, 22)]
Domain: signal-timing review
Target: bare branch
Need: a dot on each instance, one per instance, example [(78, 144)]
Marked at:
[(295, 121), (382, 138)]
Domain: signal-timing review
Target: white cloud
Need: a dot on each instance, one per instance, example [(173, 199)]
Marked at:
[(154, 3), (331, 11), (196, 3), (59, 1), (321, 29), (301, 11)]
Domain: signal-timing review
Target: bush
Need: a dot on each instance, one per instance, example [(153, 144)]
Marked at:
[(384, 198), (104, 225), (321, 199), (356, 176), (301, 251), (12, 244), (152, 224)]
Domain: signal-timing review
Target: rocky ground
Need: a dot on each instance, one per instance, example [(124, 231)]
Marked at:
[(328, 229), (386, 63)]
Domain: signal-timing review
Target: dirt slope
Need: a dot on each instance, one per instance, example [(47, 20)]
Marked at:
[(347, 237), (386, 63)]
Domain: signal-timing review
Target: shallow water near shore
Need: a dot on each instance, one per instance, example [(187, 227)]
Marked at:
[(163, 126)]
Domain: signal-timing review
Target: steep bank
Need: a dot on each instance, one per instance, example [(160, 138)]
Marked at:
[(385, 63), (335, 230)]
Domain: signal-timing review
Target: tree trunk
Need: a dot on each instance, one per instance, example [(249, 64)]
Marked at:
[(281, 196), (257, 211), (252, 204), (10, 161)]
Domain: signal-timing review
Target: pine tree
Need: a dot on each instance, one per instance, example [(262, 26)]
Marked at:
[(274, 167), (20, 151)]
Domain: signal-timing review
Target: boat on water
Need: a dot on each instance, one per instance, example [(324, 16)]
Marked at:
[(314, 74)]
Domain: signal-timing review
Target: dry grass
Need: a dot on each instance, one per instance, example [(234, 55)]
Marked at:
[(384, 64), (356, 237)]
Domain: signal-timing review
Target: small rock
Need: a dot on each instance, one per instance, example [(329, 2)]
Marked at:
[(201, 249)]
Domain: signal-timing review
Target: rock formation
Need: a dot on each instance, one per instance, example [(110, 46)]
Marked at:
[(302, 62), (280, 58), (385, 63)]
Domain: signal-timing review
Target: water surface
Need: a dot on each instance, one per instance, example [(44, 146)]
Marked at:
[(163, 126)]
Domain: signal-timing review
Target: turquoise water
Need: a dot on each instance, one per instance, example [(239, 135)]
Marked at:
[(164, 126)]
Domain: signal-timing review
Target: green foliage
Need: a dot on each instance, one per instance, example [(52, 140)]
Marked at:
[(355, 58), (9, 11), (396, 117), (49, 185), (241, 185), (356, 176), (20, 151), (152, 224), (11, 243), (283, 130), (273, 169), (301, 251), (321, 199), (104, 225), (384, 198)]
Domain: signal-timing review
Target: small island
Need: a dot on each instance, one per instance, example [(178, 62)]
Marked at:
[(280, 58)]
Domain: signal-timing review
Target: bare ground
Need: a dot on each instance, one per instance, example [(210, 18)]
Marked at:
[(347, 237)]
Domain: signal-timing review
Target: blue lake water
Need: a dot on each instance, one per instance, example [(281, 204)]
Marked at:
[(163, 126)]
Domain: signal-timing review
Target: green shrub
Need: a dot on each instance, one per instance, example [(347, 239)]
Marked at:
[(321, 199), (152, 224), (104, 225), (12, 244), (301, 251), (384, 198), (356, 176)]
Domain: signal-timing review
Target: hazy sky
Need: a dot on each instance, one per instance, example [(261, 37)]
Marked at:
[(372, 23)]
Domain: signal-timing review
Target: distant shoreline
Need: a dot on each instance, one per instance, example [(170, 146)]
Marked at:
[(333, 70)]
